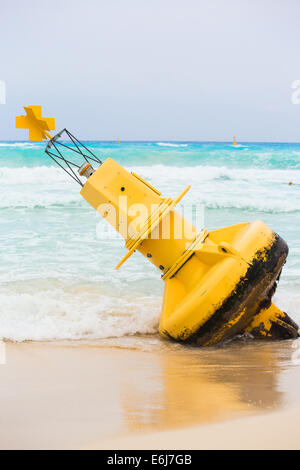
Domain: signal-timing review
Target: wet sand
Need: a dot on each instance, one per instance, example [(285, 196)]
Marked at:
[(142, 392)]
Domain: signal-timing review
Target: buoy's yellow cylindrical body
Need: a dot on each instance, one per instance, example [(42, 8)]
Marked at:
[(127, 202), (217, 282)]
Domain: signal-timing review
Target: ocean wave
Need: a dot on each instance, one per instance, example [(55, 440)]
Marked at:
[(21, 145), (209, 173), (169, 144), (163, 173), (38, 201), (214, 187), (221, 187), (253, 206), (76, 314), (37, 187), (41, 175), (86, 313)]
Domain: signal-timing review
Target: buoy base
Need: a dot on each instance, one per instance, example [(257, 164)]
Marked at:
[(273, 324), (205, 317)]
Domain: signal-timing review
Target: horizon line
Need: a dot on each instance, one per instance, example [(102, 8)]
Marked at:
[(166, 141)]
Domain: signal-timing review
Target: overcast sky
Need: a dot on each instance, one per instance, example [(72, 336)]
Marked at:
[(153, 69)]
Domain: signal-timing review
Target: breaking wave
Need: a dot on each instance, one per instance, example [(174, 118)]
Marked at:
[(77, 313), (20, 145), (86, 313), (213, 187), (170, 144)]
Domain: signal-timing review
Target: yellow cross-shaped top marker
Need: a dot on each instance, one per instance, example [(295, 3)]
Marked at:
[(37, 125)]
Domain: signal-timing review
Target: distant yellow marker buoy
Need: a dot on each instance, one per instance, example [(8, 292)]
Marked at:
[(234, 140), (118, 141), (290, 183)]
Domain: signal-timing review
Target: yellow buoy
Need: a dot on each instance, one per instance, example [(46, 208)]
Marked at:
[(218, 283), (234, 141)]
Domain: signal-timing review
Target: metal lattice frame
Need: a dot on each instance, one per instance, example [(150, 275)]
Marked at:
[(55, 150)]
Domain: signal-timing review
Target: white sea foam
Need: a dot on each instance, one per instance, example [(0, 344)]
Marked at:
[(36, 187), (21, 145), (57, 314), (214, 187), (169, 144), (39, 175), (201, 173), (163, 174), (221, 187)]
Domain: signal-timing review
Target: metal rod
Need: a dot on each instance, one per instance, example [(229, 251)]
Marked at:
[(77, 180), (71, 169), (71, 135)]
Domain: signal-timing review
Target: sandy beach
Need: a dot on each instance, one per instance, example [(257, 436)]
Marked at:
[(276, 431), (139, 393)]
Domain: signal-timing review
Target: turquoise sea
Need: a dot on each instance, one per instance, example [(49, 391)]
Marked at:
[(57, 272)]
